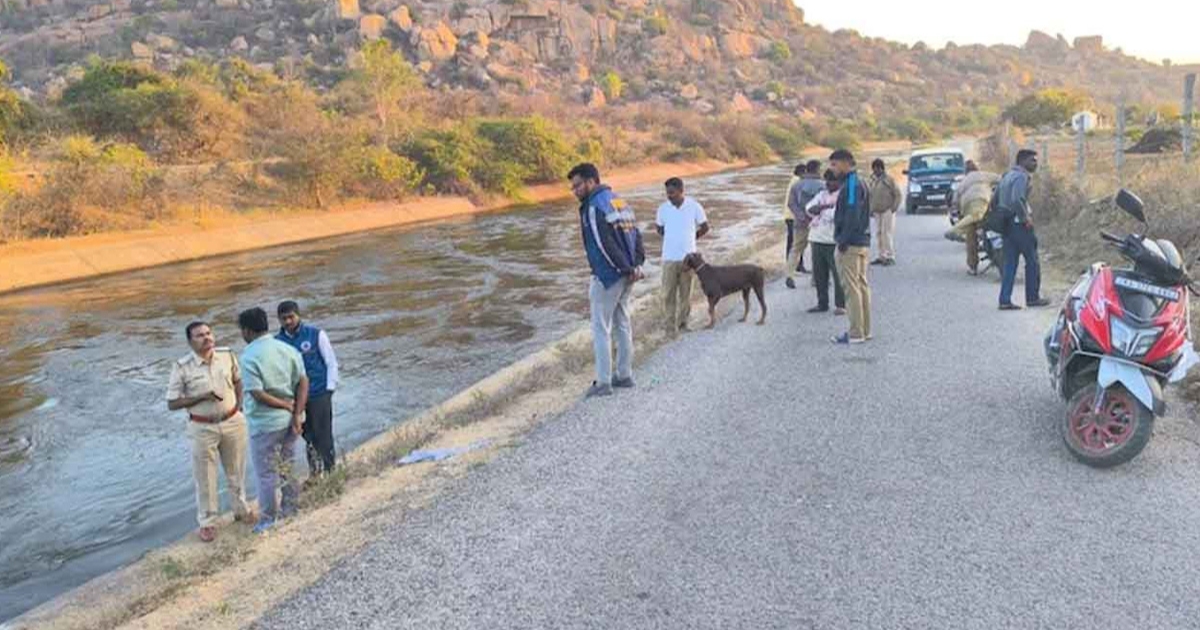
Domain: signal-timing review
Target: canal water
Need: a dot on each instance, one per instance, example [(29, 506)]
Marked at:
[(94, 471)]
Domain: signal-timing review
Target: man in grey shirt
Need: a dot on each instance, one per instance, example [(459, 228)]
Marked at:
[(1019, 238)]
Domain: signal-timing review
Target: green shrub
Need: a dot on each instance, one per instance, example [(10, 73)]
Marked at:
[(449, 158), (655, 25), (840, 138), (784, 141), (533, 143), (778, 52), (745, 143), (611, 85), (913, 129), (381, 174), (1050, 107)]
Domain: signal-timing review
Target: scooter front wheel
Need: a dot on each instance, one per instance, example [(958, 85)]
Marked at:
[(1109, 433)]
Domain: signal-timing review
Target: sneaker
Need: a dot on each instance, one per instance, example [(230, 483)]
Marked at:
[(684, 328), (840, 312), (819, 309), (845, 339), (1009, 307), (791, 284), (623, 383), (264, 525), (802, 270), (891, 262), (207, 534), (598, 390), (1038, 303), (879, 262), (249, 518)]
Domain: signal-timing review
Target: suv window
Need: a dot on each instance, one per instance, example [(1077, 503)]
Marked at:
[(937, 162)]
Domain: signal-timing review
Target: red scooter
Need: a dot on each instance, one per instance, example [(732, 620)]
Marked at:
[(1122, 335)]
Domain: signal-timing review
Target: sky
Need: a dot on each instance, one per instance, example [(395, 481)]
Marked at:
[(1154, 35)]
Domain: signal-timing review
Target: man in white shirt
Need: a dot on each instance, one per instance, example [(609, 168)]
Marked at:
[(680, 222)]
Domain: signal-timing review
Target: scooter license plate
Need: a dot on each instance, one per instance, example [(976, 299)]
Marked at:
[(1147, 288)]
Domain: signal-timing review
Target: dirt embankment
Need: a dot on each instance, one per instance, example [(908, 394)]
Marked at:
[(39, 263)]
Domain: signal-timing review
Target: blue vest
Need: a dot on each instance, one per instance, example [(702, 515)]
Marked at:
[(314, 364)]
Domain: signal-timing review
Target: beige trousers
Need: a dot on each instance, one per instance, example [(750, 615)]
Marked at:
[(677, 294), (886, 224), (853, 265), (799, 244), (227, 442)]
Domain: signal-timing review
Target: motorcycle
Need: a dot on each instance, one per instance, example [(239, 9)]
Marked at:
[(1122, 335)]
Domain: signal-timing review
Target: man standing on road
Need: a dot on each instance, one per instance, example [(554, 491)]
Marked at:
[(789, 220), (208, 384), (681, 221), (852, 231), (273, 376), (615, 254), (321, 367), (1019, 238), (885, 198), (809, 186), (971, 201)]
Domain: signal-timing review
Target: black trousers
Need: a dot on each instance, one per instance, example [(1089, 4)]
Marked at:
[(824, 266), (318, 433)]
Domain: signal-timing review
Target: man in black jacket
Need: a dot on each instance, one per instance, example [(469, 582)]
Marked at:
[(852, 231)]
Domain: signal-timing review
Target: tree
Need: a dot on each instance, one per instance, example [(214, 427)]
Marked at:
[(611, 85), (316, 147), (382, 81), (1051, 107)]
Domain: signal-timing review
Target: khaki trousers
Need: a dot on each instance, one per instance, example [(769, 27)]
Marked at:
[(796, 255), (677, 282), (227, 442), (972, 215), (885, 222), (853, 265)]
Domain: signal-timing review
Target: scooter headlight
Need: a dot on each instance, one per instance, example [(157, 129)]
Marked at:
[(1133, 342)]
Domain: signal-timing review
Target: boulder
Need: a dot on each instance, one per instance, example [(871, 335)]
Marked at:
[(401, 18), (704, 107), (425, 67), (227, 4), (594, 98), (580, 73), (740, 104), (1094, 44), (741, 45), (239, 44), (98, 11), (471, 20), (313, 40), (370, 27), (347, 10), (437, 43), (141, 51), (121, 5), (690, 92), (161, 42)]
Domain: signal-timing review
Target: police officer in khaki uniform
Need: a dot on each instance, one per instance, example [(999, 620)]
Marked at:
[(207, 383)]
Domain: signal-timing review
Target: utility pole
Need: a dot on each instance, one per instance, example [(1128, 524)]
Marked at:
[(1120, 157), (1189, 110)]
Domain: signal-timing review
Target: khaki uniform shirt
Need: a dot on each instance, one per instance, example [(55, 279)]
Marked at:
[(885, 194), (192, 376)]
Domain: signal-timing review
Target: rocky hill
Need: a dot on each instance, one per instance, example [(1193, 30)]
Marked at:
[(703, 55)]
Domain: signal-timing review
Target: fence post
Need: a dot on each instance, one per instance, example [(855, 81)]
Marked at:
[(1081, 158), (1189, 108), (1120, 157)]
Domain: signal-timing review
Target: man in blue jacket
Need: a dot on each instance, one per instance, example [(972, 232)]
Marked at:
[(852, 231), (321, 367), (614, 251)]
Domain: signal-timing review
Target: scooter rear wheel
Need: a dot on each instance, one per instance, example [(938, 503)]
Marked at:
[(1115, 435)]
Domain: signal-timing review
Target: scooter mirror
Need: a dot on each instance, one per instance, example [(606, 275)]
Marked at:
[(1132, 205)]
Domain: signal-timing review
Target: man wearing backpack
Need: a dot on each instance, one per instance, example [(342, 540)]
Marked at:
[(615, 254), (1013, 214)]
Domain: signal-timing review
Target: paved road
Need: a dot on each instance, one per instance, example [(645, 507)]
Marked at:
[(763, 478)]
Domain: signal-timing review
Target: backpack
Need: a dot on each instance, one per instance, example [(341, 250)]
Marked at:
[(997, 219)]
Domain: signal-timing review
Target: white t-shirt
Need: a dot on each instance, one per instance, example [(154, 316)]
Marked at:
[(679, 228)]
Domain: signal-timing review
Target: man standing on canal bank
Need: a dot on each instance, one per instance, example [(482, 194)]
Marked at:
[(680, 221), (321, 367), (852, 231), (273, 375), (208, 383), (615, 254)]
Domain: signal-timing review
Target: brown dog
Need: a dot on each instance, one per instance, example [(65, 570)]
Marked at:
[(718, 282)]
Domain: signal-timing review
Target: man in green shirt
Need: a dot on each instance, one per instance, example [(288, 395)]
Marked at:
[(273, 376)]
